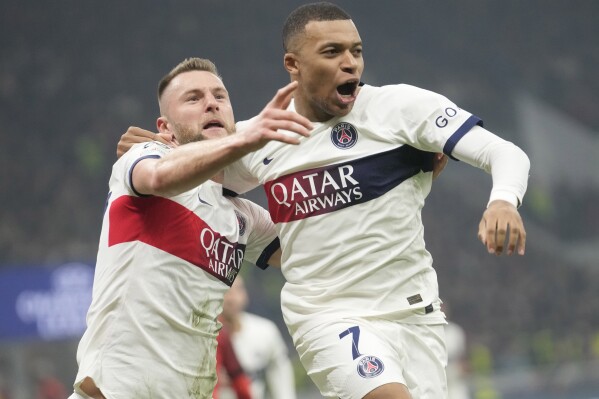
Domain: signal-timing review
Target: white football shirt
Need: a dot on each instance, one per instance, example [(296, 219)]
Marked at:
[(162, 269), (347, 205)]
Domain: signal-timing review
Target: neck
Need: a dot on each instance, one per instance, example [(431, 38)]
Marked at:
[(303, 108)]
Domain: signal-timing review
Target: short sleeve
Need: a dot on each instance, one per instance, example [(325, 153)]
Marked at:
[(424, 119), (137, 153)]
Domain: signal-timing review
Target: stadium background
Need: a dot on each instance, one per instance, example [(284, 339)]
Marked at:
[(75, 74)]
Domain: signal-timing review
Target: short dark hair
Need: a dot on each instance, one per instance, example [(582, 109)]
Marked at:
[(187, 65), (298, 19)]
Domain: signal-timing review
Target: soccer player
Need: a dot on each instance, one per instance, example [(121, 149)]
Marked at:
[(172, 244), (259, 347), (361, 299)]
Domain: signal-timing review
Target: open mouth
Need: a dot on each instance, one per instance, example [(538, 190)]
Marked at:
[(213, 124), (348, 89)]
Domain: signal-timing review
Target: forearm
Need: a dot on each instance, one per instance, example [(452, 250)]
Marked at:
[(509, 165), (190, 165)]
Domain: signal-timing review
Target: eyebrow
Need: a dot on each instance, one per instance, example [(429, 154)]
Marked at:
[(213, 89), (339, 44)]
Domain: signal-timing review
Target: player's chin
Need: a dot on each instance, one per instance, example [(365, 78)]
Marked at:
[(342, 109), (214, 133)]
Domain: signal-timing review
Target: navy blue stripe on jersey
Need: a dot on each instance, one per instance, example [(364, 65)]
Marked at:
[(457, 136), (262, 261), (131, 173), (318, 191)]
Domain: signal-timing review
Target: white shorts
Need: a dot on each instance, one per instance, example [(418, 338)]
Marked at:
[(351, 357)]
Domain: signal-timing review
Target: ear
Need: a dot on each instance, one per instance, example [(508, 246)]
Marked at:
[(162, 125), (290, 62)]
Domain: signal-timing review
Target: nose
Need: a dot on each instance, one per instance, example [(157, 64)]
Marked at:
[(349, 63), (211, 102)]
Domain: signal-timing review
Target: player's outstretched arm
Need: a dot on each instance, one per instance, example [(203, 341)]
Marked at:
[(189, 165), (135, 135)]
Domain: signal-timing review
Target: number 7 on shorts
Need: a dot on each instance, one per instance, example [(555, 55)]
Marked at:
[(355, 340)]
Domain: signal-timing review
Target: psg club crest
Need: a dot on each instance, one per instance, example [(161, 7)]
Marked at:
[(344, 135), (370, 367), (241, 222)]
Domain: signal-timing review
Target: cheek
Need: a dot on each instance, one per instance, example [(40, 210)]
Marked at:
[(321, 77), (188, 116)]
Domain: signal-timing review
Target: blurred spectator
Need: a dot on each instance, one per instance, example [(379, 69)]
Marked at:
[(259, 346), (457, 365), (48, 385), (228, 370)]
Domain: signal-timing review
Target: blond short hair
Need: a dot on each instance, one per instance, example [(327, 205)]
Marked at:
[(187, 65)]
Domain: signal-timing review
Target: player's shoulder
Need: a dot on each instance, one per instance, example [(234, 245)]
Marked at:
[(149, 148), (403, 90), (137, 152), (410, 101)]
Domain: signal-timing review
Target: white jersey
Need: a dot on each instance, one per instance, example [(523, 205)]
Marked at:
[(163, 267), (262, 353), (347, 205)]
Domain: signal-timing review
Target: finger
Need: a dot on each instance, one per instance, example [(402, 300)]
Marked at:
[(522, 242), (291, 126), (285, 138), (482, 226), (135, 135), (283, 96), (165, 138), (501, 235), (491, 236), (513, 239), (289, 116)]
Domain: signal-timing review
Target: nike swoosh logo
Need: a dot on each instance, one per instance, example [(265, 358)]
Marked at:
[(266, 161), (202, 201)]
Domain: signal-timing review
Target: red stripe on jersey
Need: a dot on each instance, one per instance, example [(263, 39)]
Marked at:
[(173, 228)]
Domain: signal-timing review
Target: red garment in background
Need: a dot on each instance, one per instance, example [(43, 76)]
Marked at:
[(229, 369), (51, 388)]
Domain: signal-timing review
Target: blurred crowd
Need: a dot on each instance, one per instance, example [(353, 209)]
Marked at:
[(73, 78)]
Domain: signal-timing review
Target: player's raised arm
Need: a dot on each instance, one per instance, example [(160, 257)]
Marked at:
[(189, 165)]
